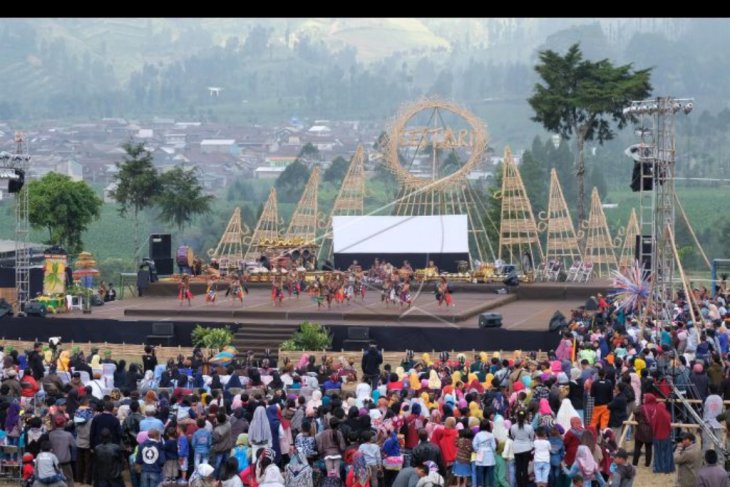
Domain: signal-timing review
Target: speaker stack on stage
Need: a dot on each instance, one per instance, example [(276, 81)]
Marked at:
[(357, 337), (161, 253), (490, 320), (557, 322)]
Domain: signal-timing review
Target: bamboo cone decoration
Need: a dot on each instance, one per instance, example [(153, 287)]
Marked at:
[(267, 228), (230, 246), (303, 223), (628, 251), (599, 245), (518, 231), (562, 240), (349, 200)]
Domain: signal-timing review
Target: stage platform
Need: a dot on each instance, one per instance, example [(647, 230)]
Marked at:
[(257, 305)]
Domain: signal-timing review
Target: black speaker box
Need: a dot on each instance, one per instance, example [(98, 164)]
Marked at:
[(36, 309), (160, 245), (557, 322), (165, 266), (358, 333), (490, 320)]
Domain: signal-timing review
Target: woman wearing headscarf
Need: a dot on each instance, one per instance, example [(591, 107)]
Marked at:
[(712, 409), (234, 382), (565, 413), (485, 447), (359, 475), (267, 473), (362, 392), (523, 436), (544, 416), (585, 466), (661, 428), (298, 473), (572, 439), (148, 382), (272, 415), (259, 431), (434, 383)]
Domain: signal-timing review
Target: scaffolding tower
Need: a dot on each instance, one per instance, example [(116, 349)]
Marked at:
[(13, 169), (657, 195)]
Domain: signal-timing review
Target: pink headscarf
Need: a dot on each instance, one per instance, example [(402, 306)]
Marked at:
[(303, 361), (556, 366), (586, 464), (545, 407)]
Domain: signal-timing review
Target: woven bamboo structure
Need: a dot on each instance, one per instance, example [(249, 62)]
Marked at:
[(518, 230), (303, 224), (267, 228), (628, 250), (349, 200), (418, 142), (599, 247), (562, 241), (231, 245)]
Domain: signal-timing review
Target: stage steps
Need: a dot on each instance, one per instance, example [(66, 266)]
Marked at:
[(260, 337)]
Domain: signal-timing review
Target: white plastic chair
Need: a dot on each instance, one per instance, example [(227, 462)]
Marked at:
[(587, 272), (74, 302), (84, 376), (574, 270)]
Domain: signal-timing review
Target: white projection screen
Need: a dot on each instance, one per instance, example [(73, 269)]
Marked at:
[(437, 234)]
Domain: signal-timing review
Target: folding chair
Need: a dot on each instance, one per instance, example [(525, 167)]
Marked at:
[(587, 272), (540, 271), (554, 271), (574, 270)]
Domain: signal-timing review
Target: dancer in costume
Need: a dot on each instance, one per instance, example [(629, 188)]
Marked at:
[(183, 290)]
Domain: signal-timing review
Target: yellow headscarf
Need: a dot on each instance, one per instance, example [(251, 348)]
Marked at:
[(496, 355), (426, 359), (488, 381), (483, 357), (455, 377), (400, 372), (62, 362), (414, 382), (475, 411), (427, 401), (433, 380), (472, 377), (95, 362)]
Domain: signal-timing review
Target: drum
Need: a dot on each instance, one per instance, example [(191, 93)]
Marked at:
[(184, 256)]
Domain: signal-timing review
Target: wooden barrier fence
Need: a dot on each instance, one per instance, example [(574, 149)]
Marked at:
[(395, 358), (118, 350)]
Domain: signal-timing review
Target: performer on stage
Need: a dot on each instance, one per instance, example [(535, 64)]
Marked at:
[(183, 290), (211, 290), (405, 294), (235, 290), (443, 292)]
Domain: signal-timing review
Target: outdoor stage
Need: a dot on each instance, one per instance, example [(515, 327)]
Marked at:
[(527, 307)]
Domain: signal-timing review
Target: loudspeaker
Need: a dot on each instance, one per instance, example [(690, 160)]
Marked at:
[(6, 309), (165, 266), (644, 243), (14, 185), (490, 320), (642, 175), (36, 309), (591, 304), (358, 333), (557, 322), (160, 245)]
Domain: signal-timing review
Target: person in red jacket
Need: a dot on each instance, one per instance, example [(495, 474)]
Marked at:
[(28, 385), (413, 424), (572, 440), (445, 438), (661, 427)]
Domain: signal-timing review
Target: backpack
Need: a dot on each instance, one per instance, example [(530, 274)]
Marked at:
[(130, 428), (241, 454)]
